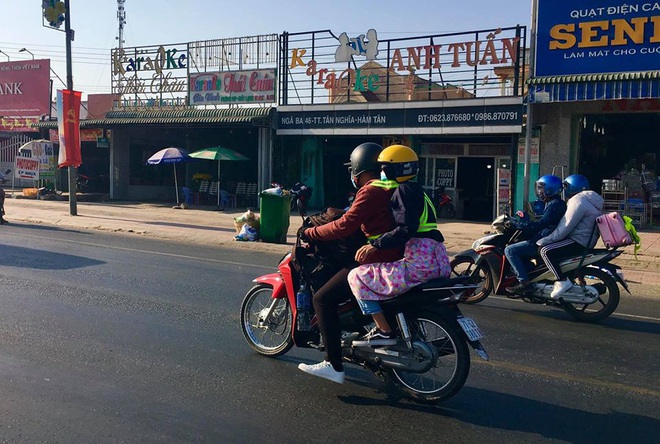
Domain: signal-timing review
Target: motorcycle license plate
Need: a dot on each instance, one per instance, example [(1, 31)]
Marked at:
[(470, 328)]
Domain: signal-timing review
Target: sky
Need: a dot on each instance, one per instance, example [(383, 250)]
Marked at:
[(151, 22)]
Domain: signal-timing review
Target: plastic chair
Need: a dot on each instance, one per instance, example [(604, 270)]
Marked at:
[(227, 200), (203, 190), (251, 194), (188, 196), (213, 190), (240, 192)]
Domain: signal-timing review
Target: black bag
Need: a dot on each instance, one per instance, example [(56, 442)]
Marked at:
[(317, 262)]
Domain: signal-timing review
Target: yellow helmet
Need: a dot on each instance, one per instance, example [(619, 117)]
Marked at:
[(399, 163)]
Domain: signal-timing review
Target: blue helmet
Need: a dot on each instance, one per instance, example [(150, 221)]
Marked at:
[(548, 186), (575, 183)]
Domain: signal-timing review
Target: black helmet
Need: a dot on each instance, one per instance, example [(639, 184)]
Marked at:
[(364, 158)]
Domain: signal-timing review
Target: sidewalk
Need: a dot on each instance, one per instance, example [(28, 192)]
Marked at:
[(204, 225)]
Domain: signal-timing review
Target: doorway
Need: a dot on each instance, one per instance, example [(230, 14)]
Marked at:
[(475, 183)]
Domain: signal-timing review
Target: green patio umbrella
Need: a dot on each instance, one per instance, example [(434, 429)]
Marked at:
[(218, 153)]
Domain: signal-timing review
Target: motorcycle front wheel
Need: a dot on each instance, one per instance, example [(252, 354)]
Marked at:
[(267, 335), (464, 266), (452, 366), (608, 298)]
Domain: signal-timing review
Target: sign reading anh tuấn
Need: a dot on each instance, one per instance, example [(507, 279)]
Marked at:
[(597, 36)]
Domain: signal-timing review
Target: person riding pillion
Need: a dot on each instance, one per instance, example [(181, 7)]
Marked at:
[(548, 189), (575, 231), (424, 256)]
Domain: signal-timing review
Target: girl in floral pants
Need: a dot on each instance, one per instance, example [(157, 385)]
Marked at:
[(425, 256)]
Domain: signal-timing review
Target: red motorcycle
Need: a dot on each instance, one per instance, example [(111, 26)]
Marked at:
[(429, 363), (443, 203)]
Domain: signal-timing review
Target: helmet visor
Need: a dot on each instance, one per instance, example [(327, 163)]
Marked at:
[(539, 189)]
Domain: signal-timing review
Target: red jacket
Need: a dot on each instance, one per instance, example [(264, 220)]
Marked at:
[(371, 212)]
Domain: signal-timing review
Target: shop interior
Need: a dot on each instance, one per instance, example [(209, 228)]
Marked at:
[(619, 155), (476, 179)]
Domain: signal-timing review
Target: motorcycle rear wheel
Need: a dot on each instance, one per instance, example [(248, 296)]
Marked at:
[(451, 368), (269, 337), (607, 302), (447, 211), (466, 267)]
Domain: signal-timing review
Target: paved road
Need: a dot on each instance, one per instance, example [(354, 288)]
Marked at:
[(105, 338)]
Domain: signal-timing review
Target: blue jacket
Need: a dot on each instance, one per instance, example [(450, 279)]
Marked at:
[(552, 213)]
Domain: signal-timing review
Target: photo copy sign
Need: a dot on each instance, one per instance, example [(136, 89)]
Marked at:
[(26, 168)]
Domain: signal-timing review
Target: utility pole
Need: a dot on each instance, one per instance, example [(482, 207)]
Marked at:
[(73, 172), (530, 107)]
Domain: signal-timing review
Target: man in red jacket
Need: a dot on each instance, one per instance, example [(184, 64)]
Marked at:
[(371, 213)]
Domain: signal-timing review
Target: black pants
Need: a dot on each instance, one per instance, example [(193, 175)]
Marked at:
[(553, 253), (326, 302)]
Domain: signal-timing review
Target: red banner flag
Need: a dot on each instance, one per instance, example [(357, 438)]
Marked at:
[(68, 124)]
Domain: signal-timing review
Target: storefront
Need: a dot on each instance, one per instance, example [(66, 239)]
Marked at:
[(135, 136), (592, 118), (212, 93), (197, 95), (455, 99)]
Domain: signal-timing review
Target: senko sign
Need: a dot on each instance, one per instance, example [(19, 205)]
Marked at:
[(597, 36)]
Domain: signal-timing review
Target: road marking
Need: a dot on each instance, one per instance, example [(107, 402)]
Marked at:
[(567, 377), (624, 315), (646, 318), (263, 267), (135, 250)]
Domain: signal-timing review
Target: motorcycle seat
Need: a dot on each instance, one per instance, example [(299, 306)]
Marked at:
[(426, 288), (439, 283)]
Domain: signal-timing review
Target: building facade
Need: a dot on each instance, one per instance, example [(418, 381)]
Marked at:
[(596, 98), (456, 99)]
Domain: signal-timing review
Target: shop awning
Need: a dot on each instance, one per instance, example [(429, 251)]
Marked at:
[(613, 86), (259, 116)]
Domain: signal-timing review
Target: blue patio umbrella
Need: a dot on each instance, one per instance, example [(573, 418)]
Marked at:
[(170, 155)]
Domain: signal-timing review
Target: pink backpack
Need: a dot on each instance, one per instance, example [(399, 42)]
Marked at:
[(613, 230)]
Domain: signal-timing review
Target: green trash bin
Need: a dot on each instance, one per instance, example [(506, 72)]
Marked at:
[(275, 211)]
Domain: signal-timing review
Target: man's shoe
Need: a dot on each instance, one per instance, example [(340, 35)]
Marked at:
[(376, 338), (519, 288), (323, 370), (560, 287)]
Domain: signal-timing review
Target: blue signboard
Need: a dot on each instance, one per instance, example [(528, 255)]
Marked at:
[(597, 36), (412, 119)]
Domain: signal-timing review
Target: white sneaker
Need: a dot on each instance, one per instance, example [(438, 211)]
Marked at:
[(323, 370), (560, 288)]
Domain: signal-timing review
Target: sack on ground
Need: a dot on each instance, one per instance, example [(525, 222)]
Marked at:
[(247, 233), (250, 218)]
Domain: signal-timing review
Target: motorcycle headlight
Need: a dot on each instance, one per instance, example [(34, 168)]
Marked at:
[(285, 257), (482, 240)]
